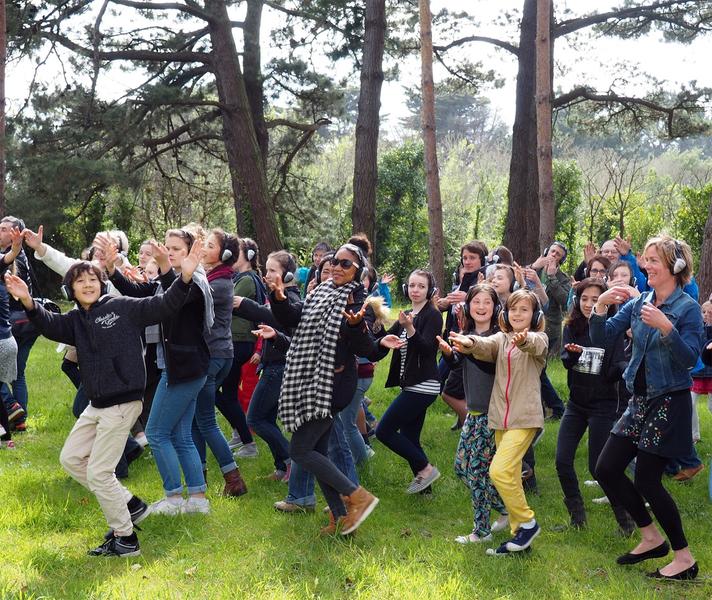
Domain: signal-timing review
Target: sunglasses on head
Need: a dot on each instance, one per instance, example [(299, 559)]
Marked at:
[(345, 263)]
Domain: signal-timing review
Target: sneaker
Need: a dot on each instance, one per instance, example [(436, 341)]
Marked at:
[(290, 507), (500, 524), (8, 445), (523, 538), (118, 546), (591, 483), (503, 551), (235, 441), (15, 412), (601, 500), (195, 505), (473, 538), (359, 505), (139, 511), (248, 451), (141, 439), (166, 507), (420, 483), (370, 453)]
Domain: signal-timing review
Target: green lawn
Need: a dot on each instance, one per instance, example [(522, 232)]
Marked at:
[(245, 549)]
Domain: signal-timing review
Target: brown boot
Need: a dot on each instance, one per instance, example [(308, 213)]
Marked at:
[(333, 527), (359, 505), (234, 484)]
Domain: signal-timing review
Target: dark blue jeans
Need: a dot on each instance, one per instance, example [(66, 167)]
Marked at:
[(549, 396), (226, 397), (19, 386), (262, 414)]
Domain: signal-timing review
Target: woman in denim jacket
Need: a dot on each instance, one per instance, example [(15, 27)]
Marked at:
[(667, 339)]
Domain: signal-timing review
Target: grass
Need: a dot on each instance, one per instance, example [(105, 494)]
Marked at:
[(245, 549)]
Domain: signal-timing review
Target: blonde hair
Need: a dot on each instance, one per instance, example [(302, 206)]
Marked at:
[(670, 250), (515, 298)]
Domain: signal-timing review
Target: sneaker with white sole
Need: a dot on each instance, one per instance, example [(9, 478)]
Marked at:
[(248, 451), (196, 505), (122, 546), (591, 483), (141, 439), (523, 538), (235, 441), (167, 507), (421, 482), (8, 444), (500, 524), (601, 500), (473, 538)]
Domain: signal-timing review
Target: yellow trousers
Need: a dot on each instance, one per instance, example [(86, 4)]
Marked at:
[(506, 473)]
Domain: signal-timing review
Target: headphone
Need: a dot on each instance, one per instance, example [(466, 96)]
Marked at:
[(288, 274), (362, 271), (225, 252), (68, 291), (560, 245), (536, 317), (680, 264), (317, 274), (431, 285), (495, 313)]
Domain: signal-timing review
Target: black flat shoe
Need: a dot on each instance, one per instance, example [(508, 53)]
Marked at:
[(632, 559), (686, 575)]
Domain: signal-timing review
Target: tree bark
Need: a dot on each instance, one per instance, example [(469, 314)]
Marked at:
[(363, 210), (521, 233), (432, 177), (547, 210), (3, 59), (247, 169), (252, 65), (704, 273)]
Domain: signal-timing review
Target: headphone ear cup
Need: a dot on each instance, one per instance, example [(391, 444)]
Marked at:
[(288, 277), (404, 287), (505, 318), (432, 292), (67, 292), (226, 255), (250, 254), (104, 290), (679, 266)]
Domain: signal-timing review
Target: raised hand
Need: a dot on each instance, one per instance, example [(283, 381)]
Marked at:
[(589, 251), (391, 341), (191, 261), (652, 316), (354, 318), (264, 331), (276, 286), (460, 316), (456, 296), (15, 246), (575, 348), (622, 245), (445, 348), (461, 342), (34, 240), (520, 337), (616, 295), (18, 289), (135, 274), (104, 243), (160, 255), (387, 278), (539, 262)]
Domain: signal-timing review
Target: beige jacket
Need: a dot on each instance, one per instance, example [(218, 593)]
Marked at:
[(516, 395)]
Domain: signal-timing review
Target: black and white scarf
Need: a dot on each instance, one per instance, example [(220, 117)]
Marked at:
[(308, 381)]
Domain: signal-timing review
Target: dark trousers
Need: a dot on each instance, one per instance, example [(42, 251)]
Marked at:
[(226, 398), (262, 414), (649, 468), (4, 422), (549, 396), (308, 448), (573, 425), (400, 426), (71, 370)]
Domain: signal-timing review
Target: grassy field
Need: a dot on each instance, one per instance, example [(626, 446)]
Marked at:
[(245, 549)]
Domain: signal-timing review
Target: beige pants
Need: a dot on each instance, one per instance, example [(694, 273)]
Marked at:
[(91, 452)]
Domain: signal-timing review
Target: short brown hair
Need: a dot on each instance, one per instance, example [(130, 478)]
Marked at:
[(670, 250), (516, 297), (475, 247), (79, 268)]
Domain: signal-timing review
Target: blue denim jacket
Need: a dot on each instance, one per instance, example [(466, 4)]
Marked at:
[(668, 359)]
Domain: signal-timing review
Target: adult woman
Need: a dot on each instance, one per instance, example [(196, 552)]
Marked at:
[(320, 378), (184, 358), (667, 337)]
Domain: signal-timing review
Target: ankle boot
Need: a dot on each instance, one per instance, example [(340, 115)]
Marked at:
[(626, 524), (359, 505), (578, 513), (234, 484)]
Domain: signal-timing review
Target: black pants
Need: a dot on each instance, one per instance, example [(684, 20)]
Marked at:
[(573, 425), (5, 422), (549, 397), (309, 448), (649, 468), (226, 398)]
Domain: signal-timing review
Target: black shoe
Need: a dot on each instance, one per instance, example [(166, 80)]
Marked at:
[(133, 454), (632, 559), (686, 575), (125, 546), (523, 538), (138, 510)]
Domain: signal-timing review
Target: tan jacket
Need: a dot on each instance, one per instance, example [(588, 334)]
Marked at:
[(516, 395)]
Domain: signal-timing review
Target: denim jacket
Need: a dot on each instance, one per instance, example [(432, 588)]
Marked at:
[(668, 359)]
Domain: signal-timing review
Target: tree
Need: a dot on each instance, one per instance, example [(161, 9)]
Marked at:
[(432, 176), (544, 65), (3, 60), (704, 274)]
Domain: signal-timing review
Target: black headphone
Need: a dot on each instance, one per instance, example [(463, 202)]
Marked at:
[(431, 285), (536, 317), (560, 245), (288, 273), (68, 291), (680, 263), (495, 312), (317, 274)]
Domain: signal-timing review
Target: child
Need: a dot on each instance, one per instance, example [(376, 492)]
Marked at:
[(702, 377), (476, 447), (107, 334), (515, 412)]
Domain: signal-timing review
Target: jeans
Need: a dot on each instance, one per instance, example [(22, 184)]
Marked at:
[(19, 386), (549, 396), (205, 427), (169, 433), (400, 426), (262, 414), (226, 398), (573, 425), (348, 419)]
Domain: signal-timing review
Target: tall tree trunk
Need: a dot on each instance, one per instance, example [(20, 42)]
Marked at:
[(243, 152), (521, 232), (547, 210), (363, 210), (704, 272), (3, 58), (432, 177), (252, 65)]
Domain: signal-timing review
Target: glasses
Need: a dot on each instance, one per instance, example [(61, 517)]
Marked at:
[(598, 271), (344, 263)]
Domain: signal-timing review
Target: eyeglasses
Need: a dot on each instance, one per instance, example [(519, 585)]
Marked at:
[(345, 263), (597, 271)]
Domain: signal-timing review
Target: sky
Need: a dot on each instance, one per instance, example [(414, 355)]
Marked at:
[(594, 62)]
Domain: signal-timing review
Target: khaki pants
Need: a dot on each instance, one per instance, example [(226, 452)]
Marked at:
[(506, 473), (91, 452)]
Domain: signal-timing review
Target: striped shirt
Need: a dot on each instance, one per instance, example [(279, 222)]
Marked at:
[(430, 386)]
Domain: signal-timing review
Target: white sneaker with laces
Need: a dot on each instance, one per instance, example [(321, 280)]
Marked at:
[(196, 505), (248, 451), (500, 524), (166, 507)]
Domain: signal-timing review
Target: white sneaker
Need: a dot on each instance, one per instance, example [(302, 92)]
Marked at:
[(235, 441), (248, 451), (602, 500), (166, 507), (370, 452), (500, 524), (196, 505), (591, 483), (473, 538)]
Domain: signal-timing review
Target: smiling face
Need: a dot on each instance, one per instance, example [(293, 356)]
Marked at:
[(621, 276), (145, 253), (86, 288), (501, 282), (520, 315), (658, 272), (325, 273), (707, 313), (343, 275), (481, 310), (418, 288), (609, 250), (597, 270), (211, 250), (470, 261), (588, 299), (177, 250)]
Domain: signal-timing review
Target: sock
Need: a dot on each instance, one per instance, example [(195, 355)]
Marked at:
[(131, 539), (529, 524)]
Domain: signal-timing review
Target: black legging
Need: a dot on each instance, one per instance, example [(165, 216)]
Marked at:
[(226, 397), (649, 468), (5, 422)]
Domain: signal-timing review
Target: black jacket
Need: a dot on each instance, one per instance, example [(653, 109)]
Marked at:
[(185, 349), (108, 340), (420, 360)]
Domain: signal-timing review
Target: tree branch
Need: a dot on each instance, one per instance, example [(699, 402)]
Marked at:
[(478, 38), (153, 142), (190, 8), (299, 126), (174, 146)]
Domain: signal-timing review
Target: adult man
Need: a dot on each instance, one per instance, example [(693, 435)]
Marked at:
[(557, 285)]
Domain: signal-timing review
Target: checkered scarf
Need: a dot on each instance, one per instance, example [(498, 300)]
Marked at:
[(308, 381)]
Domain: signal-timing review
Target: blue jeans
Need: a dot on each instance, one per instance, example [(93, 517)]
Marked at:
[(205, 426), (19, 386), (262, 414), (549, 396), (169, 433), (348, 419), (301, 481)]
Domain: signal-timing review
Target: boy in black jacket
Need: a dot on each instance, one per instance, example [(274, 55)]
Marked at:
[(107, 334)]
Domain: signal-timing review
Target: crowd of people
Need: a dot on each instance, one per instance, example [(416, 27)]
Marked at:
[(288, 355)]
